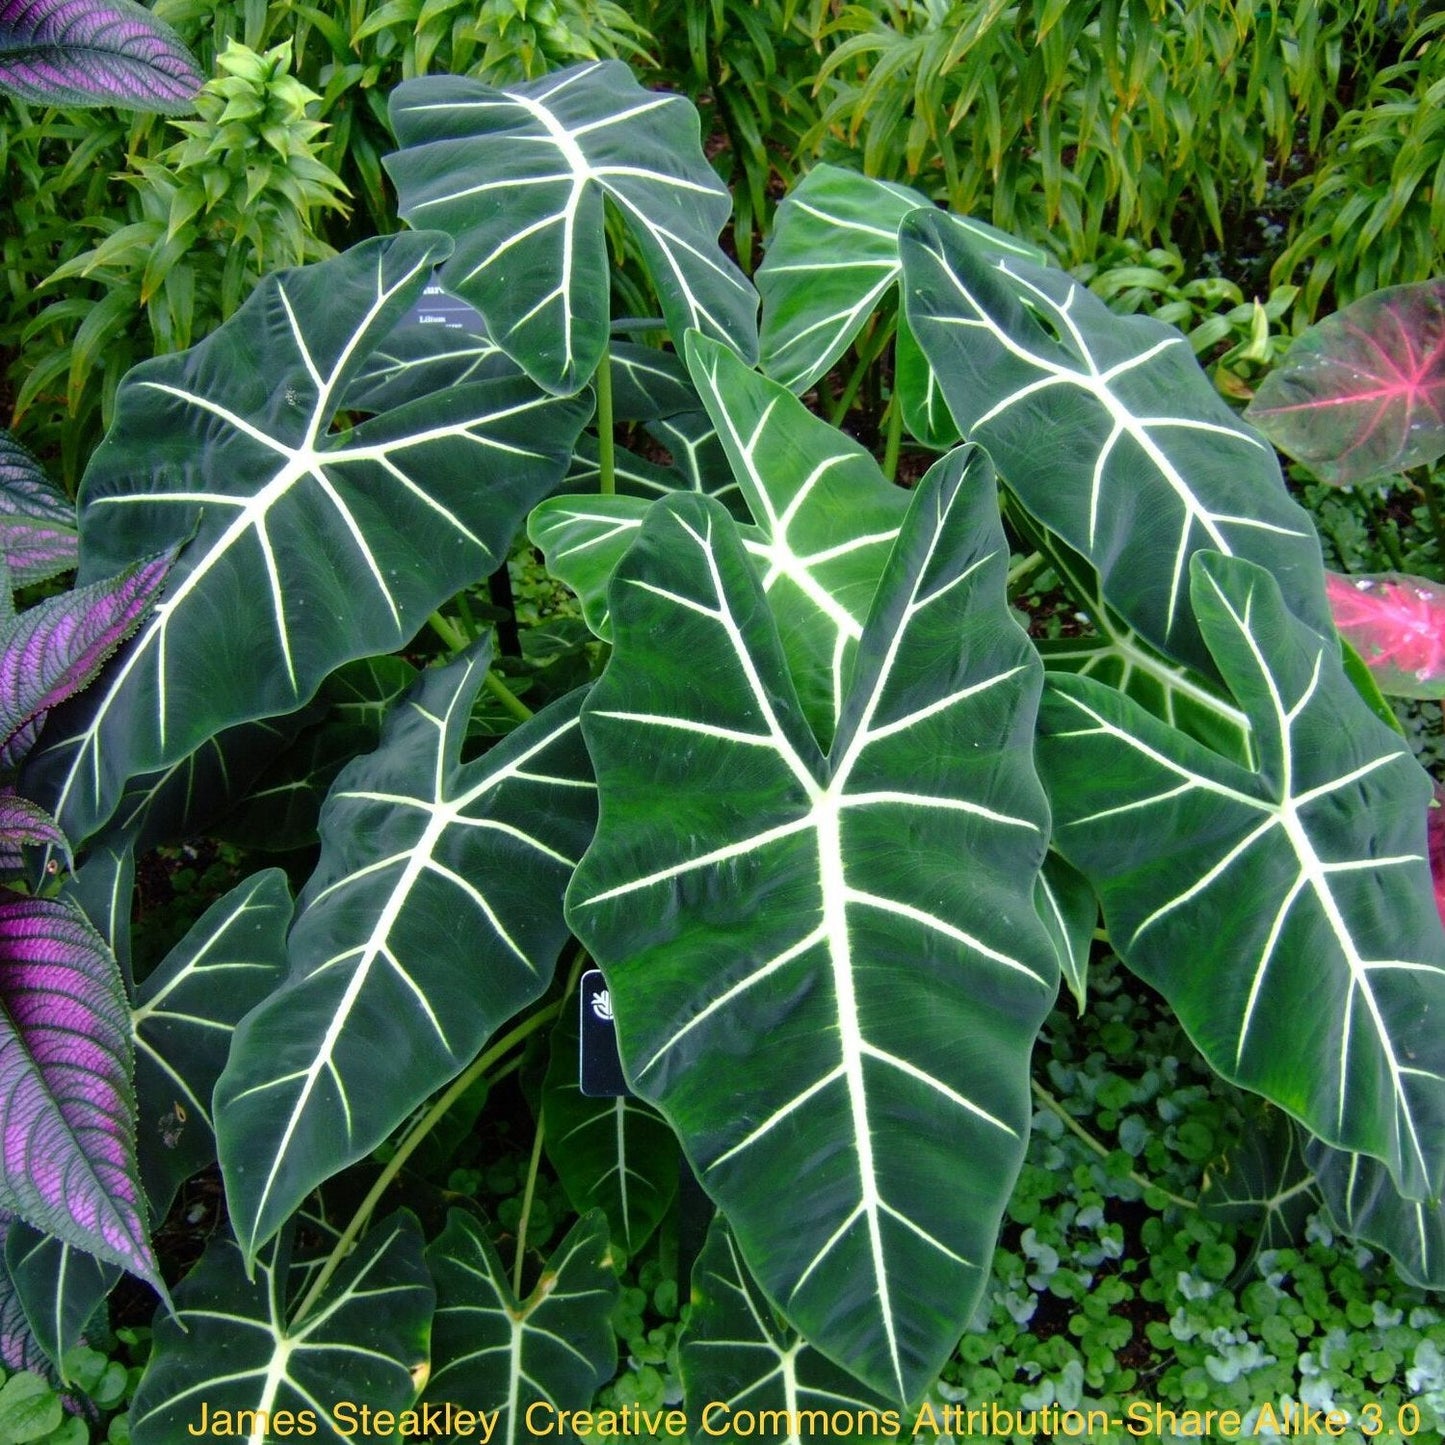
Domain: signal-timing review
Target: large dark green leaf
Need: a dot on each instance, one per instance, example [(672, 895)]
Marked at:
[(58, 1286), (434, 915), (307, 546), (1284, 912), (517, 177), (1264, 1182), (827, 970), (494, 1354), (616, 1155), (736, 1355), (1107, 431), (183, 1018), (229, 1347)]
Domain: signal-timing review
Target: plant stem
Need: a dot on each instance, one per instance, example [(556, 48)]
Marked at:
[(507, 697), (1030, 564), (412, 1139), (606, 455), (894, 438), (452, 635), (868, 353), (1078, 1130), (527, 1194), (464, 609)]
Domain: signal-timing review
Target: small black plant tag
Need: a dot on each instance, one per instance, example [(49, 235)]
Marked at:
[(601, 1068)]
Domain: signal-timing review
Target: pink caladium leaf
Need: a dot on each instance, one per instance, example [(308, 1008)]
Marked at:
[(1397, 625), (39, 535), (54, 649), (1362, 393), (94, 52), (67, 1108)]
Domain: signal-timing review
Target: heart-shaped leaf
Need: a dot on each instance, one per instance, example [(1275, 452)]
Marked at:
[(1106, 431), (308, 546), (435, 911), (833, 258), (94, 52), (750, 903), (58, 1286), (1397, 625), (616, 1155), (184, 1015), (1362, 393), (1326, 838), (517, 177), (67, 1120), (735, 1354), (1264, 1183), (229, 1350), (499, 1356), (38, 535)]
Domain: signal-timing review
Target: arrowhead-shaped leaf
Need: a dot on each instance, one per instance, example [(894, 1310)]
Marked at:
[(1362, 393), (832, 260), (38, 535), (310, 546), (820, 1013), (517, 177), (736, 1354), (1284, 912), (616, 1155), (68, 1115), (434, 912), (94, 52), (229, 1346), (491, 1351), (58, 1286), (826, 521), (1107, 432), (1397, 625), (184, 1015), (1265, 1183)]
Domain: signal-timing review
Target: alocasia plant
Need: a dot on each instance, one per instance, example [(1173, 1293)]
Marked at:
[(829, 819)]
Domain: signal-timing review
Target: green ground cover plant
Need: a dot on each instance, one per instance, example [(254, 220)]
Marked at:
[(835, 825)]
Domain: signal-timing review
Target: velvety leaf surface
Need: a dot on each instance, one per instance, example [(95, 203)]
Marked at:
[(1435, 829), (1362, 392), (38, 533), (183, 1019), (1106, 431), (94, 52), (67, 1113), (1397, 625), (229, 1346), (19, 1349), (434, 915), (59, 1288), (1264, 1184), (54, 649), (103, 889), (307, 546), (492, 1352), (517, 177), (617, 1155), (1296, 893), (736, 1354), (750, 904), (1064, 900)]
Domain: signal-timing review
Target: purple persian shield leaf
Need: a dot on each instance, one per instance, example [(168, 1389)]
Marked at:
[(94, 52), (67, 1112), (1397, 625), (38, 531), (26, 824), (57, 647), (1362, 392)]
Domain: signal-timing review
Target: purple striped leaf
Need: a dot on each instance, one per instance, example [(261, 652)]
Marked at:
[(24, 824), (38, 533), (94, 52), (56, 648), (67, 1109), (1362, 393)]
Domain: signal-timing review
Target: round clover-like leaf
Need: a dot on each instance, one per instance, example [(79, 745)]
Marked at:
[(304, 546), (821, 1013), (517, 177)]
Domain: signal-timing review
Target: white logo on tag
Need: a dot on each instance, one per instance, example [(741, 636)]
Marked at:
[(602, 1006)]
